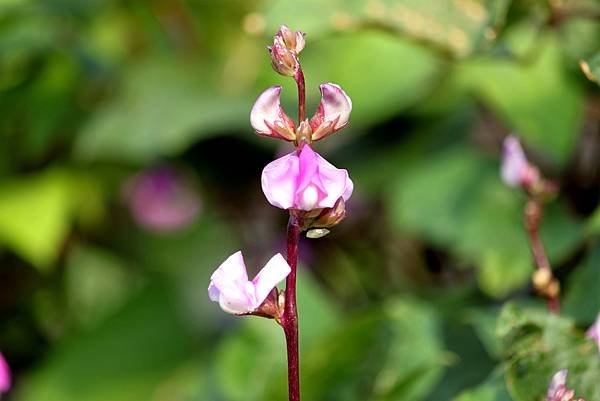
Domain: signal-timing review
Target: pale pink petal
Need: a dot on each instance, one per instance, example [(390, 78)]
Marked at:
[(275, 271), (594, 332), (557, 385), (279, 180), (229, 286), (514, 163), (335, 107), (265, 109), (336, 182), (5, 375)]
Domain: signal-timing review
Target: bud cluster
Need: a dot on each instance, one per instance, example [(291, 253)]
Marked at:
[(287, 45)]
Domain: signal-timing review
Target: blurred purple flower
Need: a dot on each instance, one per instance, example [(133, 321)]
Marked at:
[(557, 390), (162, 199), (516, 170), (5, 375), (594, 332)]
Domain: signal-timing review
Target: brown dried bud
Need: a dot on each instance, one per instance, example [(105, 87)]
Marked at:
[(331, 216)]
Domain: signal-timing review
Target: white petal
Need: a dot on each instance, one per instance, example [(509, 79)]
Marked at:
[(266, 108), (275, 271)]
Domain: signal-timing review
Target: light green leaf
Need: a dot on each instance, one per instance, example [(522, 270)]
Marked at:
[(581, 299)]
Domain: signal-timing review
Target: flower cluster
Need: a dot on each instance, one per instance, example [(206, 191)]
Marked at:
[(302, 182)]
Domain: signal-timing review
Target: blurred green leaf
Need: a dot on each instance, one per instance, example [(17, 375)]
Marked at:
[(456, 27), (36, 212), (162, 108), (125, 359), (537, 344), (581, 300), (459, 202), (493, 389), (534, 97)]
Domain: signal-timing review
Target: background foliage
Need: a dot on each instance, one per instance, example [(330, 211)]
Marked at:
[(404, 301)]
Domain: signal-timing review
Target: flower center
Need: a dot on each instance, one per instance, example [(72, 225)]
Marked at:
[(309, 198)]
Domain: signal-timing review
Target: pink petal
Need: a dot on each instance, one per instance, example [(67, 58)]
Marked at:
[(558, 383), (279, 180), (594, 332), (514, 163), (229, 286), (336, 182), (267, 112), (5, 375), (335, 107), (275, 271)]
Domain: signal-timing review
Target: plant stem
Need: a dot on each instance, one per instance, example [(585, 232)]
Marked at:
[(290, 314), (548, 286), (299, 78)]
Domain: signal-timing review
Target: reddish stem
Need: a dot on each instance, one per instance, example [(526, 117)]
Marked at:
[(299, 78), (533, 215), (289, 320)]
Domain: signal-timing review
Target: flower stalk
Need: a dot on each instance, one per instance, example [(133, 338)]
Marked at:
[(289, 321)]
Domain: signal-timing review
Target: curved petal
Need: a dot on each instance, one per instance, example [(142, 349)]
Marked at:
[(229, 285), (267, 114), (335, 108), (336, 181), (275, 271), (279, 179), (5, 375)]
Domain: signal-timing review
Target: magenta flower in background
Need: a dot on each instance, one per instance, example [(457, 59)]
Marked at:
[(229, 285), (269, 119), (305, 181), (516, 170), (162, 199), (5, 375), (594, 332), (557, 390)]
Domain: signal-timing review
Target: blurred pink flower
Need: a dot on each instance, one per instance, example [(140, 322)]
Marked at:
[(594, 332), (269, 119), (557, 390), (229, 285), (162, 199), (5, 375), (304, 180), (516, 170)]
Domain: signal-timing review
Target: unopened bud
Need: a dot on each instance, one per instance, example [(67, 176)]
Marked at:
[(541, 278), (304, 133), (317, 233), (293, 40), (283, 60), (331, 216)]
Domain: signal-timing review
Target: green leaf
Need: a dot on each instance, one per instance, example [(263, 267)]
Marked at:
[(537, 344), (125, 359), (535, 98), (162, 108), (492, 389), (581, 300), (456, 27), (460, 203)]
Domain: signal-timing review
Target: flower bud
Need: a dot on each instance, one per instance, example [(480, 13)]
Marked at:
[(293, 40), (304, 133), (283, 60), (331, 216)]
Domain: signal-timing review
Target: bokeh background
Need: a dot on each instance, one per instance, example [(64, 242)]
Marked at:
[(129, 172)]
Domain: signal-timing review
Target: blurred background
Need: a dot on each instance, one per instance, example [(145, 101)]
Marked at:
[(129, 172)]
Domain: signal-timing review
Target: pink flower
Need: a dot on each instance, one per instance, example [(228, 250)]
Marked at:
[(304, 180), (594, 332), (269, 119), (516, 170), (557, 390), (5, 375), (162, 199), (229, 285)]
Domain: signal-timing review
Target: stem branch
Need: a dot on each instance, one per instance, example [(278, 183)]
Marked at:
[(299, 78)]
